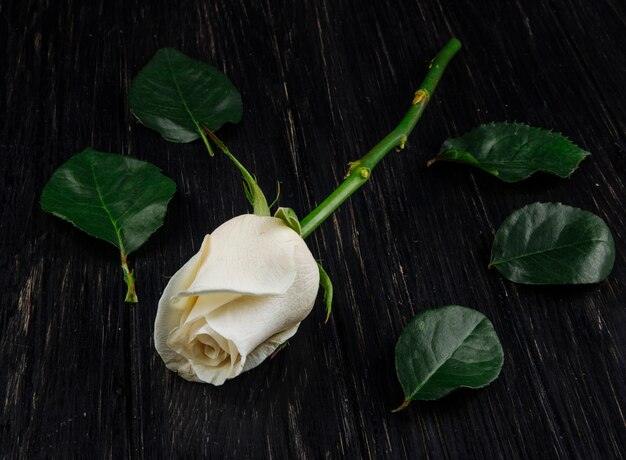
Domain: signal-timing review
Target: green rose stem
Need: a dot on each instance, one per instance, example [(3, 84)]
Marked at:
[(361, 170)]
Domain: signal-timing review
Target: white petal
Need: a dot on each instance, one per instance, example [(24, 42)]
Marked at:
[(205, 304), (227, 369), (260, 353), (169, 314), (249, 321), (245, 292), (249, 255)]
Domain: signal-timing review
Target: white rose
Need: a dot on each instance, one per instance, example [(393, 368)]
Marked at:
[(234, 302)]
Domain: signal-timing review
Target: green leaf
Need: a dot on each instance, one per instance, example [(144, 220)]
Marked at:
[(289, 217), (551, 243), (111, 197), (178, 96), (251, 188), (327, 285), (446, 348), (513, 151), (184, 99)]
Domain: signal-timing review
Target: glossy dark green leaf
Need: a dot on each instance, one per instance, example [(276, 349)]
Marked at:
[(112, 197), (551, 243), (513, 151), (178, 96), (446, 348)]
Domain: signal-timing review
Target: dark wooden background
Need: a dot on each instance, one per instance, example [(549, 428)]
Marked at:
[(321, 81)]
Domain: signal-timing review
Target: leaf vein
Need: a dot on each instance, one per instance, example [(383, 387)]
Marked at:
[(444, 361), (118, 233), (544, 251), (182, 98)]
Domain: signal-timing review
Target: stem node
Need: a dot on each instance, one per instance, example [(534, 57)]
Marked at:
[(352, 166)]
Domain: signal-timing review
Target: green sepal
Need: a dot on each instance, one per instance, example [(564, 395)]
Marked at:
[(289, 217), (271, 205), (253, 192), (327, 285), (255, 195)]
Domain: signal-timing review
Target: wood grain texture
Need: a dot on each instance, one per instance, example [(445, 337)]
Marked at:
[(321, 81)]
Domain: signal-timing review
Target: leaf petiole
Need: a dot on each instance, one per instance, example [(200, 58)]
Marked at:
[(402, 406), (129, 279)]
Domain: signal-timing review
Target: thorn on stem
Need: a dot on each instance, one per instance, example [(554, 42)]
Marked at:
[(402, 144), (421, 94), (352, 165)]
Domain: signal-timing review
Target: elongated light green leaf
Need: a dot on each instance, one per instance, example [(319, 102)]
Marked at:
[(178, 96), (112, 197), (551, 243), (513, 151), (446, 348)]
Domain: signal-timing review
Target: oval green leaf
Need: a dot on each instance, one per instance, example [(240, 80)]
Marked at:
[(177, 96), (513, 151), (551, 243), (446, 348), (112, 197)]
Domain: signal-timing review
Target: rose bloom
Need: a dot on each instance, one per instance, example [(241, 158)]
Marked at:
[(234, 302)]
